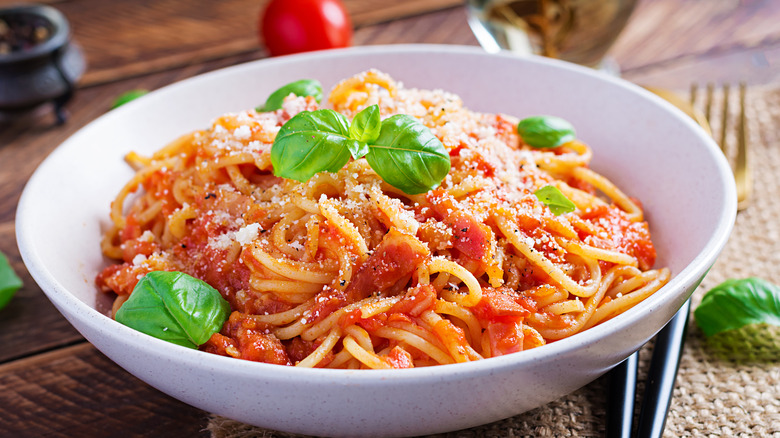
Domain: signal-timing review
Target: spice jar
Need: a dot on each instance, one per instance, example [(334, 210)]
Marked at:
[(38, 62)]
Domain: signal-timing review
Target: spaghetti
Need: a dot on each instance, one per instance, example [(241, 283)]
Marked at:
[(345, 271)]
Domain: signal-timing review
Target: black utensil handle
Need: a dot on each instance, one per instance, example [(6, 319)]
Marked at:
[(662, 375), (620, 398)]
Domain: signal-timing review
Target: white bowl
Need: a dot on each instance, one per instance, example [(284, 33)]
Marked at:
[(643, 144)]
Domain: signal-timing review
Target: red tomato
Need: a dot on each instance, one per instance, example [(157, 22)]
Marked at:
[(292, 26)]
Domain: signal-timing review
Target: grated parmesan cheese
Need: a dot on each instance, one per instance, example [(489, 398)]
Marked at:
[(147, 236), (242, 132), (247, 234)]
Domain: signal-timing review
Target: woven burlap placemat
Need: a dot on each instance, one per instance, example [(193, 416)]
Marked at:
[(713, 397)]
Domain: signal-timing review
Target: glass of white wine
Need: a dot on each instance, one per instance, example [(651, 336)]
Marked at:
[(579, 31)]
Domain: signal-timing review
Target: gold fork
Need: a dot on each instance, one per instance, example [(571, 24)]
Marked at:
[(741, 164)]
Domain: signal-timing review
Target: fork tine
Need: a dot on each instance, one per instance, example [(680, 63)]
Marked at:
[(742, 169), (708, 102), (741, 165), (724, 119), (697, 115)]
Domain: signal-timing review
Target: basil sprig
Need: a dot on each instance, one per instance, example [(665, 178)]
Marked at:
[(736, 303), (174, 307), (545, 132), (553, 198), (303, 87), (9, 281), (400, 149)]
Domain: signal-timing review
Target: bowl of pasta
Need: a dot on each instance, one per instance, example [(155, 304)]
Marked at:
[(378, 241)]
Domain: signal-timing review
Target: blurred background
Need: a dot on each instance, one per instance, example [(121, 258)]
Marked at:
[(667, 42), (53, 383)]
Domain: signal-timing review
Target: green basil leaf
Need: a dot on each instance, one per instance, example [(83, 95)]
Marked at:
[(545, 131), (366, 125), (358, 149), (9, 281), (408, 156), (737, 303), (313, 142), (174, 307), (303, 87), (127, 97), (553, 198)]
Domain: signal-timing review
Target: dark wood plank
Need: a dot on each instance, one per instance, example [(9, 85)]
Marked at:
[(123, 39), (756, 66), (76, 391), (368, 12), (728, 63), (752, 52), (447, 26), (662, 33)]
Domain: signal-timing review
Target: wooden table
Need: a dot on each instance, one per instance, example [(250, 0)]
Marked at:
[(53, 382)]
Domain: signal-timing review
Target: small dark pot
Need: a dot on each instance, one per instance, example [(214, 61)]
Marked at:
[(44, 72)]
